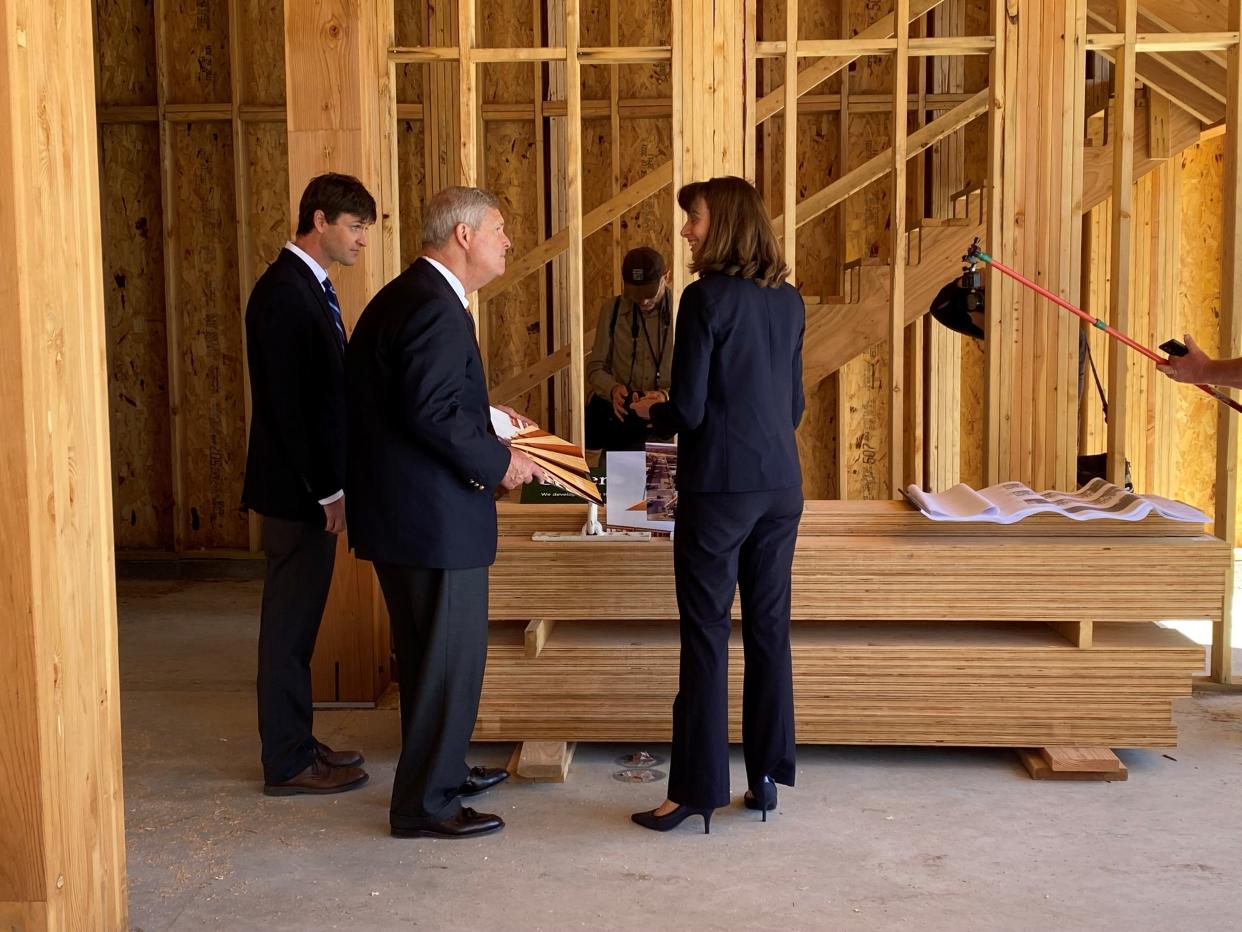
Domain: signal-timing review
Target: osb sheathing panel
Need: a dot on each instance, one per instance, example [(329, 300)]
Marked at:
[(133, 267), (646, 144), (125, 46), (262, 25), (1199, 315), (515, 335), (411, 179), (505, 24), (595, 17), (646, 22), (267, 162), (213, 417), (410, 29), (198, 51), (597, 254)]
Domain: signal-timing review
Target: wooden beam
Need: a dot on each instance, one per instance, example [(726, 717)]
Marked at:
[(809, 78), (898, 252), (1119, 265), (334, 71), (574, 228), (542, 761), (1227, 444), (61, 809), (1078, 633), (999, 196), (789, 174), (241, 195), (536, 636), (877, 167), (172, 252)]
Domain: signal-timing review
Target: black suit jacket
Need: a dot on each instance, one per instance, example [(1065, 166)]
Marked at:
[(736, 393), (296, 454), (423, 459)]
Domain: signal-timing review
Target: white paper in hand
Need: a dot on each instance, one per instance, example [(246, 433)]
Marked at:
[(503, 424)]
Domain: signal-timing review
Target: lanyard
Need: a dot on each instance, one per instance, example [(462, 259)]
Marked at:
[(662, 331)]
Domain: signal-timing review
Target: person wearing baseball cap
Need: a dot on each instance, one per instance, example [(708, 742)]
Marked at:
[(632, 354)]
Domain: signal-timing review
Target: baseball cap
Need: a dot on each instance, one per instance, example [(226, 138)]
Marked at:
[(641, 270)]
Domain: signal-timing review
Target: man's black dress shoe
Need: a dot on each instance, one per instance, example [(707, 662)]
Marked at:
[(480, 779), (466, 824)]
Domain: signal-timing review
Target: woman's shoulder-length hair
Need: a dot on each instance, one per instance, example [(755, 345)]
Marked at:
[(741, 240)]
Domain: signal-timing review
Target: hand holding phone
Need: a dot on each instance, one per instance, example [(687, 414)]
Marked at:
[(1173, 348)]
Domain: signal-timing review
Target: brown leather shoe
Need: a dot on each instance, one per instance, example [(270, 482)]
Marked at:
[(340, 758), (319, 778)]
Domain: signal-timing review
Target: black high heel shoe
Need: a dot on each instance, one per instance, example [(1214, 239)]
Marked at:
[(768, 790), (670, 820)]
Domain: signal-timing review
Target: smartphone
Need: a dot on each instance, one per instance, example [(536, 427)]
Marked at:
[(1174, 348)]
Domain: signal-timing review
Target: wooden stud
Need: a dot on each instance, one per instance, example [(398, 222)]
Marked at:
[(1157, 124), (790, 118), (1038, 766), (176, 377), (537, 634), (1078, 633), (1227, 441), (245, 247), (1123, 184), (542, 761), (574, 228), (898, 255)]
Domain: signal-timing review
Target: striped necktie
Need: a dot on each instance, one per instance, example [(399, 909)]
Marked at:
[(336, 309)]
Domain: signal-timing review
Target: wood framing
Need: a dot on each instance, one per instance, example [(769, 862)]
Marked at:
[(61, 812)]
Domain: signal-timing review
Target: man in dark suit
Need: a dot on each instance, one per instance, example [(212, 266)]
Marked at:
[(295, 473), (423, 466)]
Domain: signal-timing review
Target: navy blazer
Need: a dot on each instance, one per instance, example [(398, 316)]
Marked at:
[(296, 454), (423, 459), (736, 392)]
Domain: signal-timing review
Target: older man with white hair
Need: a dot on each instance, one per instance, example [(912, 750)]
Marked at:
[(423, 463)]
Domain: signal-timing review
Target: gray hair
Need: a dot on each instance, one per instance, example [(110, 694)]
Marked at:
[(452, 206)]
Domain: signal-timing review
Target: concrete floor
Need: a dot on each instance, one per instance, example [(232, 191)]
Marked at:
[(871, 838)]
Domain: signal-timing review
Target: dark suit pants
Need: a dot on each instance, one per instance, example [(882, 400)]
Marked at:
[(723, 540), (300, 557), (439, 629)]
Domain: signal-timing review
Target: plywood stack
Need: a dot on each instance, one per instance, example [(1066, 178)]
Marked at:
[(906, 631), (1005, 684)]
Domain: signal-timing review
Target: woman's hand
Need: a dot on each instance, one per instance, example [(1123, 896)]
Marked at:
[(642, 405)]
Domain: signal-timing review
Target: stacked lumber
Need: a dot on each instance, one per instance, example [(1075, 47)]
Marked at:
[(881, 560), (907, 631), (1004, 684)]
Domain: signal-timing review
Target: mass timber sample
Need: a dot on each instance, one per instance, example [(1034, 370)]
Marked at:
[(1040, 634)]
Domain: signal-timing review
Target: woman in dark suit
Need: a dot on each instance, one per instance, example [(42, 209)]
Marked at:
[(735, 400)]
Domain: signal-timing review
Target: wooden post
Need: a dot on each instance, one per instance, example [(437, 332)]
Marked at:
[(573, 189), (335, 60), (61, 810), (1123, 197), (898, 251), (1226, 526)]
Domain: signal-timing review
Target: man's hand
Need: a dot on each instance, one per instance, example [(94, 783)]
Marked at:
[(334, 516), (1189, 368), (619, 395), (519, 420), (522, 469), (642, 406)]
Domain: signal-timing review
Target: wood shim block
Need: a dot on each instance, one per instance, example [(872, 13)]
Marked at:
[(1039, 769), (1080, 759), (537, 633), (1078, 633), (542, 761)]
